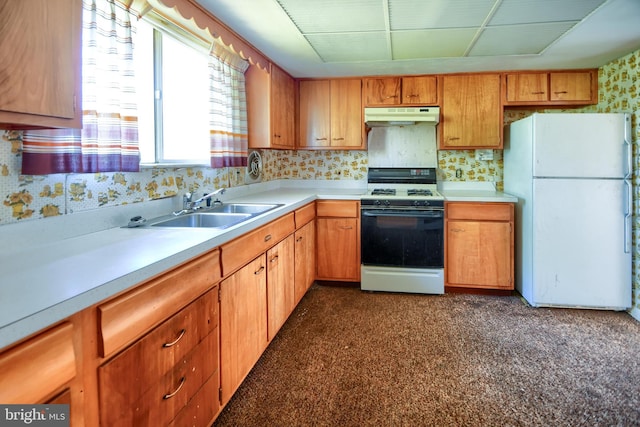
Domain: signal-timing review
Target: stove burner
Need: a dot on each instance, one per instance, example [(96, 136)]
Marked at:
[(383, 191), (419, 192)]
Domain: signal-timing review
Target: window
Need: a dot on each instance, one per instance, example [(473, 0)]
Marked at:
[(173, 97)]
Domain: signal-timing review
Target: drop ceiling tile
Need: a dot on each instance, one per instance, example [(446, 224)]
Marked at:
[(445, 43), (418, 14), (537, 11), (335, 16), (351, 47), (518, 39)]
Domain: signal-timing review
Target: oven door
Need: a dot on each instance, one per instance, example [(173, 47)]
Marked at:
[(402, 238)]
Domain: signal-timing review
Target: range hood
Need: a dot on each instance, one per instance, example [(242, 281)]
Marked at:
[(399, 116)]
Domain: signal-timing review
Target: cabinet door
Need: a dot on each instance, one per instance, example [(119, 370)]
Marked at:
[(527, 87), (280, 284), (382, 91), (305, 259), (346, 114), (40, 43), (471, 112), (571, 86), (421, 90), (282, 108), (479, 254), (338, 249), (315, 113), (243, 324)]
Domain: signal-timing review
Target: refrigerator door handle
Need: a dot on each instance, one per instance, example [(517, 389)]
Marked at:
[(627, 218), (627, 142)]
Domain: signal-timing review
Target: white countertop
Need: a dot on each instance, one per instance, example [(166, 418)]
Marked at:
[(52, 276), (475, 191)]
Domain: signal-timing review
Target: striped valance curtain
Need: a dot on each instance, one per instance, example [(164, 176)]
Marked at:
[(227, 108), (108, 140)]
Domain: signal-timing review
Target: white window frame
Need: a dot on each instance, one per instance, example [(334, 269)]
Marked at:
[(163, 29)]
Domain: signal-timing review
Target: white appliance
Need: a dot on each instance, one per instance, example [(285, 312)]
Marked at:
[(571, 174)]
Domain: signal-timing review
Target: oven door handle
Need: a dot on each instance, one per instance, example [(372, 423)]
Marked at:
[(434, 213)]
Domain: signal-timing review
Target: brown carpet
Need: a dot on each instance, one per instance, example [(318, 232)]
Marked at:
[(352, 358)]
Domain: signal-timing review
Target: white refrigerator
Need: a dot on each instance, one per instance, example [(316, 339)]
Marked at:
[(572, 176)]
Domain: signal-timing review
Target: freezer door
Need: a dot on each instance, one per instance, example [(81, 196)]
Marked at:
[(580, 145), (579, 256)]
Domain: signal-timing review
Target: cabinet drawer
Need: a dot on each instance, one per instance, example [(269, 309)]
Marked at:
[(36, 369), (202, 408), (132, 400), (156, 353), (305, 214), (481, 211), (338, 208), (240, 251), (131, 315)]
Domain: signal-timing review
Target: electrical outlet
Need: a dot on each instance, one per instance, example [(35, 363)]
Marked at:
[(484, 154)]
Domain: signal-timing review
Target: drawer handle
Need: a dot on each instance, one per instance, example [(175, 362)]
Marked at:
[(267, 237), (537, 93), (457, 230), (259, 270), (274, 259), (170, 395), (299, 239), (172, 343), (559, 92), (321, 139), (338, 139), (453, 138), (346, 227), (390, 96)]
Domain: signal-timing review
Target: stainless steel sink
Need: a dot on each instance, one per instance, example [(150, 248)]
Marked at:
[(250, 208), (222, 216), (209, 219)]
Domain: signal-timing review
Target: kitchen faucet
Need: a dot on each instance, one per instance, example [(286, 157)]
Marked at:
[(189, 206)]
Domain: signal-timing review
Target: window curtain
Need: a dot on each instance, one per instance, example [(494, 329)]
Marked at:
[(228, 131), (108, 140)]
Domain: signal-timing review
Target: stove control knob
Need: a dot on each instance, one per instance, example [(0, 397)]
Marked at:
[(377, 203), (386, 203), (416, 203)]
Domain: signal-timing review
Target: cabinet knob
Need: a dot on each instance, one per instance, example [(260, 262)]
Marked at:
[(260, 270)]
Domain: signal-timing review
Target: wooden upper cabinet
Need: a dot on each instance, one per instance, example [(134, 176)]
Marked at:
[(331, 114), (412, 90), (574, 86), (382, 91), (420, 90), (527, 87), (40, 84), (471, 112), (579, 87), (282, 109), (270, 108)]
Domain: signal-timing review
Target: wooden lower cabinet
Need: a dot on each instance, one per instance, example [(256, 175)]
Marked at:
[(280, 285), (338, 240), (153, 380), (479, 245), (243, 323), (305, 259)]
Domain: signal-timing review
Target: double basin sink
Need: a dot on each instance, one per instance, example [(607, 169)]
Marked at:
[(221, 216)]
